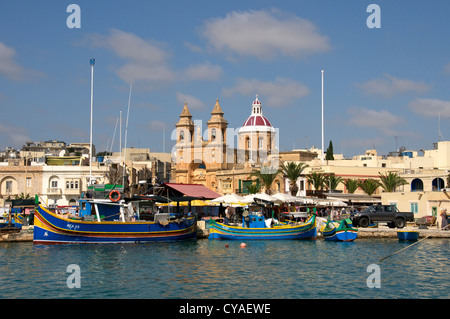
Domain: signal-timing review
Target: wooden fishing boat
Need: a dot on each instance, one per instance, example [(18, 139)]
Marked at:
[(342, 231), (407, 235), (108, 221), (258, 227)]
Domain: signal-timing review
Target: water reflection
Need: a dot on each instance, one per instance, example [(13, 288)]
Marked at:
[(210, 269)]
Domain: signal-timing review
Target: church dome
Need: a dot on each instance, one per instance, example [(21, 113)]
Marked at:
[(256, 121)]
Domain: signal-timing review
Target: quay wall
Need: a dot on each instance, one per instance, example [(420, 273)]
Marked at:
[(202, 232)]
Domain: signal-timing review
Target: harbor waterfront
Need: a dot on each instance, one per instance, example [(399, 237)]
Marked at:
[(222, 269), (202, 232)]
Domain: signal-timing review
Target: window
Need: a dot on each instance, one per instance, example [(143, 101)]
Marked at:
[(8, 187), (28, 182), (414, 208), (416, 185), (226, 184), (54, 183), (71, 184), (213, 134), (181, 135), (260, 142)]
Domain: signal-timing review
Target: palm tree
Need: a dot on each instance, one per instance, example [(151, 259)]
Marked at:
[(266, 176), (23, 196), (253, 188), (351, 185), (292, 172), (332, 181), (369, 186), (317, 180), (391, 181)]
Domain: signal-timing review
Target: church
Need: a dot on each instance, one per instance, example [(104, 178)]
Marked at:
[(222, 158)]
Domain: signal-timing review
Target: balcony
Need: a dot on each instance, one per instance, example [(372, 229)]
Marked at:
[(54, 191)]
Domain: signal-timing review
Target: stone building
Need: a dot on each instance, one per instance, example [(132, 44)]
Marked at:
[(215, 161)]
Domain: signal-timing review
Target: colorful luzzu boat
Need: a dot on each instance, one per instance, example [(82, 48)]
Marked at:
[(257, 227), (104, 221), (339, 232)]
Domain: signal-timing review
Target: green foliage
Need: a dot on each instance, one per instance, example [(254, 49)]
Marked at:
[(253, 188), (292, 171), (317, 180), (391, 181), (332, 181), (369, 186), (266, 177), (330, 155), (351, 185)]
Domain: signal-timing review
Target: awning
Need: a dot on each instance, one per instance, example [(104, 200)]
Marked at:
[(193, 190)]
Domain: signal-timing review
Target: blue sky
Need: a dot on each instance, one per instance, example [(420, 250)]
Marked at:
[(383, 87)]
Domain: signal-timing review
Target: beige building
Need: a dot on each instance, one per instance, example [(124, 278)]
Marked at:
[(426, 175)]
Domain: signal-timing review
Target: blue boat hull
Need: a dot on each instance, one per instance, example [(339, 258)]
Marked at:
[(341, 236), (52, 228), (344, 232), (408, 235), (302, 231)]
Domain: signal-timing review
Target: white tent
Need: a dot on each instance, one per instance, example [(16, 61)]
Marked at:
[(263, 196), (231, 199), (294, 199)]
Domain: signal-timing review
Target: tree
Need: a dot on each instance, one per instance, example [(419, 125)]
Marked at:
[(23, 196), (292, 172), (332, 181), (391, 181), (351, 185), (369, 186), (266, 176), (330, 155), (253, 188), (317, 180)]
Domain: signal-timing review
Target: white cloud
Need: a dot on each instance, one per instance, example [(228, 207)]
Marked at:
[(192, 101), (148, 61), (8, 66), (430, 107), (155, 125), (204, 71), (382, 120), (264, 34), (277, 93), (144, 60), (13, 135), (390, 86)]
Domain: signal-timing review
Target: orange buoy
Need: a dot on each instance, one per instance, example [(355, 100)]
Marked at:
[(243, 245)]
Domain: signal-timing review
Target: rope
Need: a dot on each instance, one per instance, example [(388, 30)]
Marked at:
[(408, 246)]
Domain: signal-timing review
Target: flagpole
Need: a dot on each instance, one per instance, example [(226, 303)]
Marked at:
[(92, 62), (323, 154)]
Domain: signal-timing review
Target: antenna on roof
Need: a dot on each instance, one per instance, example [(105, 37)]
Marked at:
[(440, 137)]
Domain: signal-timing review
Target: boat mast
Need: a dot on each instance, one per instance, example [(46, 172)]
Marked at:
[(126, 132), (92, 62), (323, 155)]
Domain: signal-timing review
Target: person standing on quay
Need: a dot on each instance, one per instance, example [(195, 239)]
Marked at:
[(444, 221)]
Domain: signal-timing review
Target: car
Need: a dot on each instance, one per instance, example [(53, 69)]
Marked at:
[(381, 214)]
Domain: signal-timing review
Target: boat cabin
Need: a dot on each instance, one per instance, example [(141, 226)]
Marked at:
[(254, 221)]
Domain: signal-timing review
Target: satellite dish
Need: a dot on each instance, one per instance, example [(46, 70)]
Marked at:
[(62, 153)]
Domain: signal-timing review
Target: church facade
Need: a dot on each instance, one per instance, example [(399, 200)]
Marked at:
[(223, 158)]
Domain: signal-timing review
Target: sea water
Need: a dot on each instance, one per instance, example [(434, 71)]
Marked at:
[(220, 269)]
